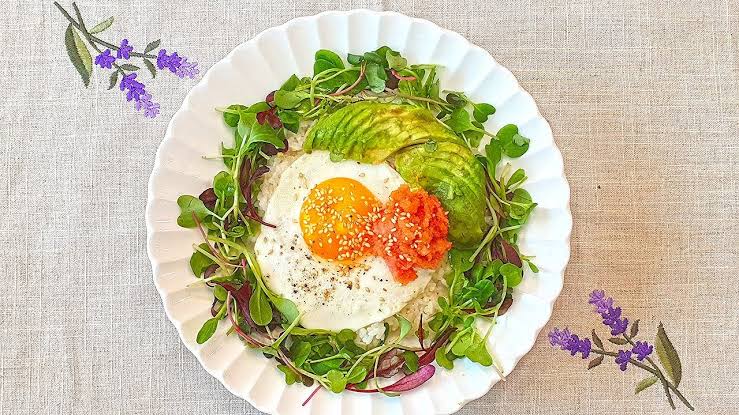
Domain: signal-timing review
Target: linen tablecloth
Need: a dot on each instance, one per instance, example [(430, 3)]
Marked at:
[(643, 99)]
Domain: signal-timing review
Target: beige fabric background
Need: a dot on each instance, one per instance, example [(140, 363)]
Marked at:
[(643, 98)]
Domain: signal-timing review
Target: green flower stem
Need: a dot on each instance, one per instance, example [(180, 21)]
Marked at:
[(665, 382), (94, 39)]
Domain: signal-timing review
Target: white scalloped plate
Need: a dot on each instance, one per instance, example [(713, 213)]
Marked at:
[(260, 65)]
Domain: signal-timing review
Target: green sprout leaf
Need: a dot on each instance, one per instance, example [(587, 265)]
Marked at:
[(190, 205), (513, 144), (290, 375), (411, 360), (512, 274), (645, 383), (259, 308), (405, 326), (376, 77), (493, 153), (481, 112), (220, 293), (336, 381), (206, 332), (286, 307), (395, 61), (459, 121), (289, 99), (443, 359), (299, 352), (668, 356), (199, 262), (78, 54), (292, 82), (357, 374)]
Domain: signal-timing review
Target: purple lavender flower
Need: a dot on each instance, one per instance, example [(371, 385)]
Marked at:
[(105, 59), (124, 51), (187, 69), (559, 338), (570, 342), (642, 350), (619, 326), (600, 301), (623, 359), (151, 109), (178, 65), (134, 87)]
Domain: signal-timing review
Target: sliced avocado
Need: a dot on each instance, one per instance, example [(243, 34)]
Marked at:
[(371, 132), (427, 155), (450, 172)]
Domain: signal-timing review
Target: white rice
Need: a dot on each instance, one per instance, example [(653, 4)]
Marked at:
[(424, 304)]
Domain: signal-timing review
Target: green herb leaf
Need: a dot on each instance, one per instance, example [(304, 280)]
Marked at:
[(105, 24), (411, 360), (521, 204), (478, 351), (299, 352), (634, 329), (223, 186), (113, 79), (596, 340), (220, 293), (233, 119), (513, 144), (618, 340), (206, 332), (190, 205), (354, 59), (152, 45), (290, 376), (459, 121), (346, 335), (443, 360), (493, 153), (459, 259), (78, 54), (357, 374), (395, 61), (329, 60), (645, 383), (405, 326), (289, 99), (286, 307), (512, 274), (199, 262), (150, 66), (129, 67), (462, 342), (376, 77), (516, 178), (259, 308), (595, 362), (668, 356), (292, 82), (336, 381), (481, 112), (457, 99), (533, 267)]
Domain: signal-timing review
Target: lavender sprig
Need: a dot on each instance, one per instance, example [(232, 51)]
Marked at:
[(77, 39), (637, 354)]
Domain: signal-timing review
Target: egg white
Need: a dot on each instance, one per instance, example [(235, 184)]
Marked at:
[(328, 295)]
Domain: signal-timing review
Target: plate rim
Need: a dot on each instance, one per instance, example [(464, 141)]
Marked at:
[(282, 27)]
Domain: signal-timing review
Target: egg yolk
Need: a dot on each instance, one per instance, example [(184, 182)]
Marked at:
[(336, 219)]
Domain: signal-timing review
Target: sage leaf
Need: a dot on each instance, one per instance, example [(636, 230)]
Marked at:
[(78, 54), (595, 362), (596, 340), (668, 356), (152, 45), (645, 383), (259, 308), (206, 332), (102, 26), (617, 340), (113, 79), (634, 329), (150, 66)]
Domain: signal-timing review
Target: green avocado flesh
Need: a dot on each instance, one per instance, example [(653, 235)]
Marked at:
[(427, 155)]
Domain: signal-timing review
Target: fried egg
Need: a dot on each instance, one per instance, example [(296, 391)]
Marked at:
[(317, 255)]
